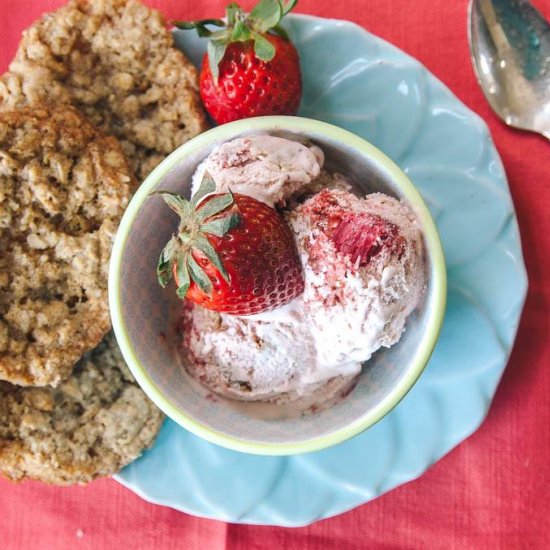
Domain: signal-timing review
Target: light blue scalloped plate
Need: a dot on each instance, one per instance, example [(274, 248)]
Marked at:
[(359, 82)]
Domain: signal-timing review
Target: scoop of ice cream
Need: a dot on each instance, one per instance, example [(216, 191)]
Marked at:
[(364, 272), (251, 359), (265, 167)]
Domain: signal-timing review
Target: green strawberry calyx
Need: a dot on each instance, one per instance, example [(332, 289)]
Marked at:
[(198, 219), (240, 26)]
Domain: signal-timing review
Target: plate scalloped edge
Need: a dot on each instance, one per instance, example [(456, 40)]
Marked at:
[(375, 90)]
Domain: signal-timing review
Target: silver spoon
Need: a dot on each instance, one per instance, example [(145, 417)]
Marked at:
[(510, 50)]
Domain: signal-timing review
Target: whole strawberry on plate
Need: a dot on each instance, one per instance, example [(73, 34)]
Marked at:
[(232, 253), (251, 68)]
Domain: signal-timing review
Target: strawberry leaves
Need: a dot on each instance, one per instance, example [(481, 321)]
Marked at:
[(216, 51), (239, 26), (164, 267), (201, 26), (198, 275), (289, 6), (205, 246), (182, 274), (214, 206), (232, 12), (221, 226), (241, 32), (176, 202), (263, 48), (265, 15), (207, 186), (198, 218)]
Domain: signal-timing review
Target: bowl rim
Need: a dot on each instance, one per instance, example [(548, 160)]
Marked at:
[(431, 238)]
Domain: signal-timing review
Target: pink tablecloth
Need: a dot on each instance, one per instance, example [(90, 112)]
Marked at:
[(493, 491)]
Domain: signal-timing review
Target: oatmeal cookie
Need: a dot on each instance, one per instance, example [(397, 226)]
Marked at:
[(92, 425), (63, 189), (114, 60)]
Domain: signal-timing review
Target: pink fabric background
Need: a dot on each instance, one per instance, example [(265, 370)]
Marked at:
[(492, 492)]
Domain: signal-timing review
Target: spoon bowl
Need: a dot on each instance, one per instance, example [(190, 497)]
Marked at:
[(510, 50)]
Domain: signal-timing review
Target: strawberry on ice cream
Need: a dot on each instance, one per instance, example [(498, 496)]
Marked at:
[(362, 274)]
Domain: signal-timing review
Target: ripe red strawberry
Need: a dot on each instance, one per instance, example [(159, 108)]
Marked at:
[(363, 236), (251, 68), (232, 253)]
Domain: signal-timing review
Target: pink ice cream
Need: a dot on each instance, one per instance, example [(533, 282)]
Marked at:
[(268, 168), (363, 262)]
